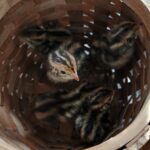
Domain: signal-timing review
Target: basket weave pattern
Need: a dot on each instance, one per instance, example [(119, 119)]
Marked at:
[(20, 67)]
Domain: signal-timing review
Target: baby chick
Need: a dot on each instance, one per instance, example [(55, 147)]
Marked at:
[(88, 108), (116, 47), (67, 63), (65, 57), (57, 44), (92, 122), (63, 97), (46, 37), (62, 66)]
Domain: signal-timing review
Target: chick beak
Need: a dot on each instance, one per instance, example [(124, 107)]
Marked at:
[(76, 77)]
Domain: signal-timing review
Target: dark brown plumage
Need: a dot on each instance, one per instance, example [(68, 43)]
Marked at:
[(116, 47), (55, 42), (87, 107)]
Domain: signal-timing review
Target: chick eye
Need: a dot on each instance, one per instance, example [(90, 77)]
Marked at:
[(62, 72)]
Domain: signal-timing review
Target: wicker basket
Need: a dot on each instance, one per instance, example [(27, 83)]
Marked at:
[(19, 129)]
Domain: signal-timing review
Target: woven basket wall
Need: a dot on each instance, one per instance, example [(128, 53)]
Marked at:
[(19, 71)]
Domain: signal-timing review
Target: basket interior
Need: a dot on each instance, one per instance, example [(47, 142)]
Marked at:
[(21, 68)]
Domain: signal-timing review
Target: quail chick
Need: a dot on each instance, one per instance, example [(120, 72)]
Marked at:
[(92, 122), (61, 66), (65, 63), (46, 101), (46, 37), (88, 108), (116, 47), (65, 57)]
